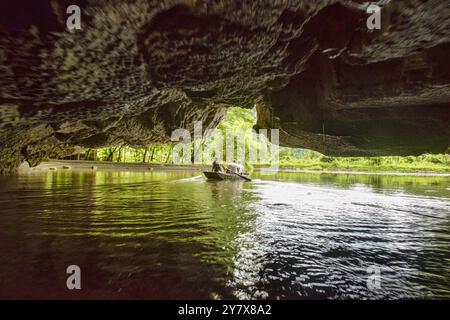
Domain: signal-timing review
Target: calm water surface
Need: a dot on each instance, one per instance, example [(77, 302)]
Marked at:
[(174, 235)]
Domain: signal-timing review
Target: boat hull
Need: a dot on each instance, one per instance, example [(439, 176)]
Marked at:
[(224, 176)]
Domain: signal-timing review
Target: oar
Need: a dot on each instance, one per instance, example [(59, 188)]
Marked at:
[(243, 177)]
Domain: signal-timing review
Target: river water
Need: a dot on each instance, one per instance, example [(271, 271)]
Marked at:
[(174, 235)]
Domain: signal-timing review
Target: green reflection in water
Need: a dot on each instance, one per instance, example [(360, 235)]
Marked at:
[(421, 185)]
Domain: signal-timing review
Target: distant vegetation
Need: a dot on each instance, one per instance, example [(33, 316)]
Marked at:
[(244, 119), (311, 160)]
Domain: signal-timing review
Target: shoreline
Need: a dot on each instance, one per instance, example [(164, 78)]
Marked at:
[(66, 165), (377, 173)]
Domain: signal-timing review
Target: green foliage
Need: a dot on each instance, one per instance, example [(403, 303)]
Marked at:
[(326, 159), (312, 160), (248, 167)]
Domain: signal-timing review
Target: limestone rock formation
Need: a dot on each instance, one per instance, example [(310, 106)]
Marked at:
[(139, 69)]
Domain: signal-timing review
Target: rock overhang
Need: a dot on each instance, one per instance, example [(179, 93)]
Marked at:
[(137, 70)]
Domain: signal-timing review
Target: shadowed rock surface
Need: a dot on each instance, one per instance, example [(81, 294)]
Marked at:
[(139, 69)]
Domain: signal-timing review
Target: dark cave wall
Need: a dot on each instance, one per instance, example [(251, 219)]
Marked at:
[(139, 69)]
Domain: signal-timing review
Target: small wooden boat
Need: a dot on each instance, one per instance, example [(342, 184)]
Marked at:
[(225, 176)]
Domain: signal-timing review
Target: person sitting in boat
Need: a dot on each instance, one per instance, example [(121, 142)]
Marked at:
[(240, 167), (217, 167), (234, 167)]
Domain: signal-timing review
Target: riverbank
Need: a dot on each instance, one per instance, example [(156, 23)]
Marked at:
[(326, 171), (424, 164), (55, 165)]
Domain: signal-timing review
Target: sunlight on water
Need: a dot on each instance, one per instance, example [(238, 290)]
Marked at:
[(175, 235), (319, 242)]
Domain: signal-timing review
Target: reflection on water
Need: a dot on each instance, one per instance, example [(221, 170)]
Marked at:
[(174, 235)]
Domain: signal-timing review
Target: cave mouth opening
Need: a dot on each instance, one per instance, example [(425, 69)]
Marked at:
[(241, 123)]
